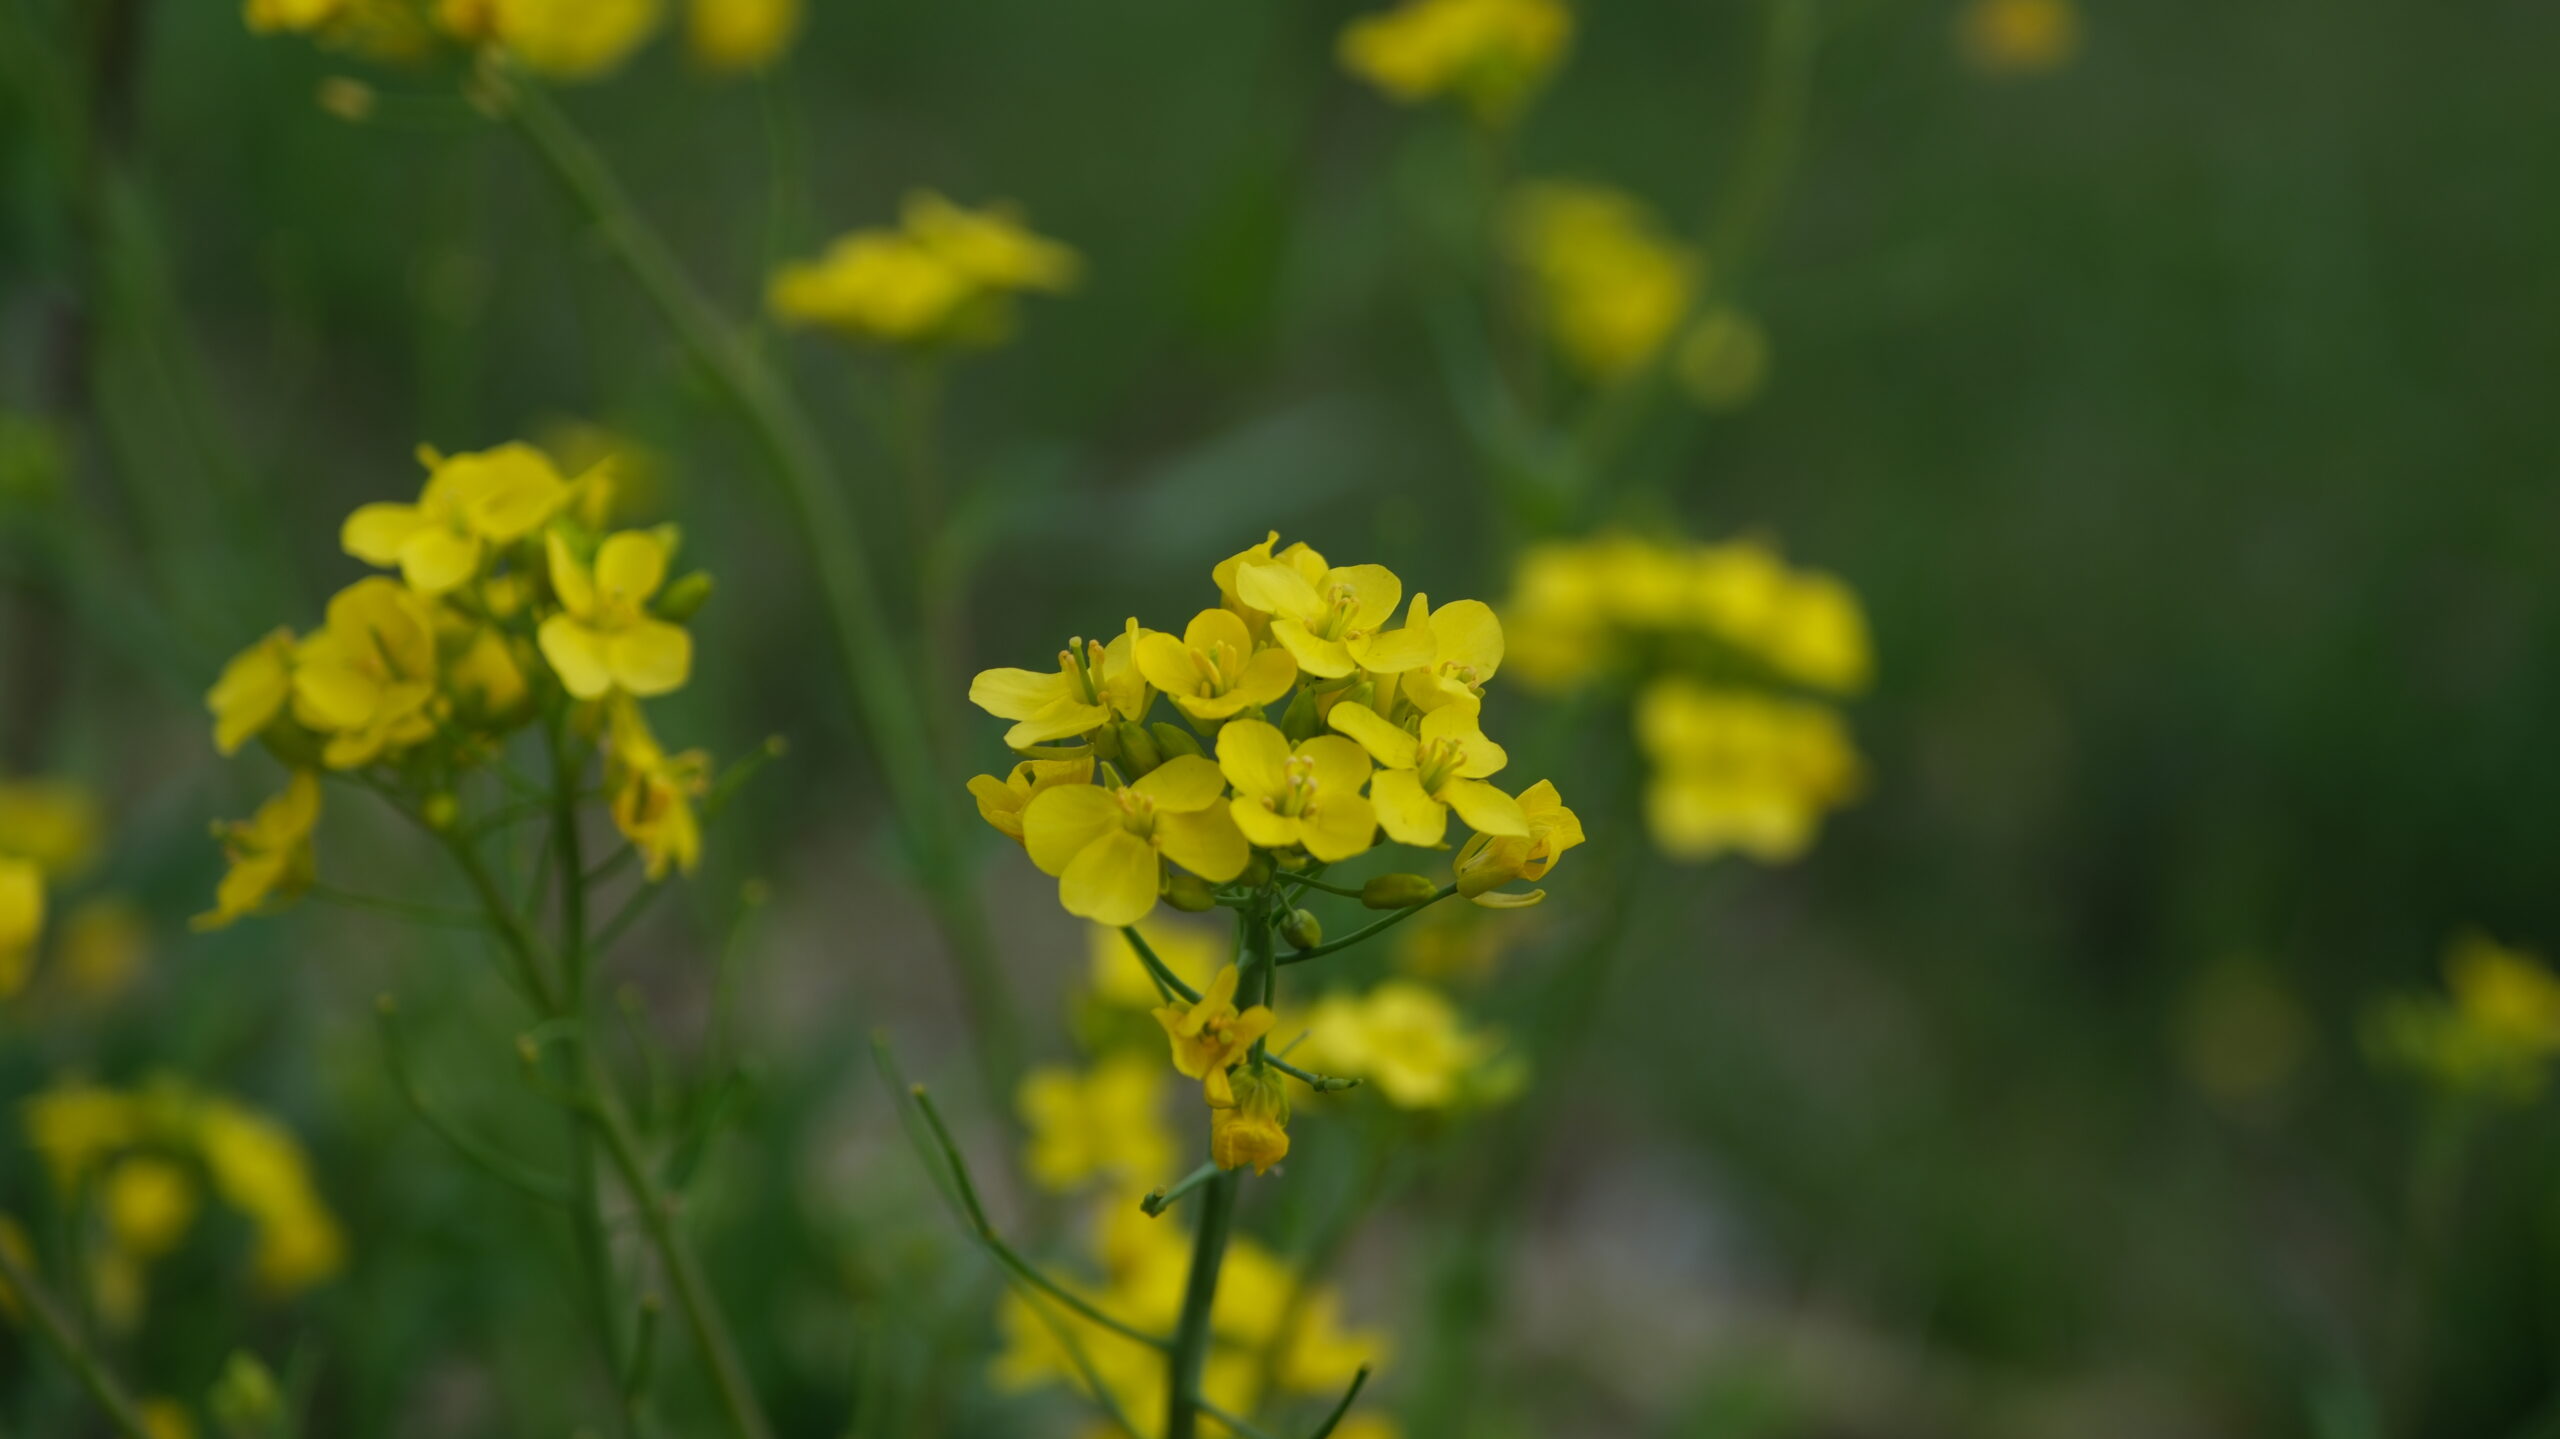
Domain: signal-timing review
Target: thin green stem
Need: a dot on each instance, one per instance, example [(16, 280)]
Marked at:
[(1157, 969), (63, 1338), (415, 913), (1160, 1200), (482, 1155), (1320, 1083), (1367, 932), (1333, 1421), (1199, 1296), (1307, 881)]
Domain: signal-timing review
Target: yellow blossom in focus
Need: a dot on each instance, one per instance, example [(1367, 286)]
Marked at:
[(559, 39), (471, 503), (1736, 770), (1466, 643), (1487, 861), (270, 854), (22, 907), (2019, 37), (251, 691), (1490, 55), (1227, 573), (1193, 952), (1093, 685), (1104, 1124), (947, 277), (1332, 622), (1105, 845), (606, 639), (741, 35), (1002, 801), (653, 794), (1610, 287), (367, 677), (1255, 1128), (1308, 796), (1213, 672), (1420, 779), (1212, 1035), (148, 1202), (1408, 1042)]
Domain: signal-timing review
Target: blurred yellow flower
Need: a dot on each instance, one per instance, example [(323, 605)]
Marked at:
[(1213, 672), (1255, 1128), (946, 278), (21, 921), (2019, 37), (166, 1419), (1578, 607), (53, 824), (1307, 796), (2498, 1035), (1408, 1041), (1486, 862), (1609, 286), (259, 1169), (471, 502), (269, 853), (1724, 359), (1490, 55), (1192, 951), (559, 39), (74, 1125), (1735, 770), (251, 691), (1105, 845), (148, 1202), (991, 248), (1420, 779), (653, 794), (741, 35), (606, 639), (1002, 801), (272, 16), (1106, 1123), (367, 677), (103, 945), (1212, 1035)]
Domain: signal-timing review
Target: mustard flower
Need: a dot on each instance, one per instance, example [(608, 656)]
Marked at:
[(1002, 801), (946, 278), (1422, 778), (259, 1169), (1308, 797), (292, 16), (1332, 622), (741, 35), (252, 691), (1738, 770), (1491, 55), (991, 247), (471, 503), (1105, 1124), (1093, 685), (1486, 862), (22, 906), (148, 1202), (568, 40), (270, 854), (1213, 672), (2019, 37), (605, 639), (2499, 1035), (367, 677), (1609, 286), (653, 794), (1466, 643), (1106, 846), (1211, 1036), (1408, 1041), (1226, 573), (1255, 1128)]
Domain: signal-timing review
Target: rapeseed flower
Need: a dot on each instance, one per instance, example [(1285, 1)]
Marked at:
[(1423, 776), (2497, 1033), (1739, 770), (652, 794), (367, 678), (1211, 1035), (148, 1202), (269, 853), (1466, 648), (1106, 846), (1409, 1042), (1609, 286), (1105, 1123), (22, 906), (1094, 685), (471, 503), (569, 40), (1331, 621), (54, 824), (945, 279), (1002, 801), (1486, 862), (1213, 672), (1118, 977), (1307, 797), (1254, 1129), (252, 691), (1489, 55), (605, 639)]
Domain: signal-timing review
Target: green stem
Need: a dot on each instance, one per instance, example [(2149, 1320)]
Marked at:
[(64, 1340), (1160, 1200), (1163, 974), (892, 715), (488, 1158), (1199, 1296), (1367, 932)]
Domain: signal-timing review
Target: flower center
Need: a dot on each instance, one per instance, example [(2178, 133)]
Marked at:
[(1298, 790), (1077, 662), (1435, 762), (1340, 603), (1137, 814)]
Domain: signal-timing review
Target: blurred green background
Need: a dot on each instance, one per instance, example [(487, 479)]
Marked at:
[(2175, 414)]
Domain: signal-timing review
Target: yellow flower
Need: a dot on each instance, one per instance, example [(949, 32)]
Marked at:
[(367, 676), (741, 35), (1742, 771), (73, 1126), (1093, 685), (1213, 672), (1610, 286), (1308, 797), (252, 691), (270, 854), (471, 502), (1104, 1124), (53, 824), (1255, 1128), (1213, 1034), (104, 944), (991, 247), (564, 39), (653, 794), (2019, 37), (1226, 572), (2505, 994), (1489, 54), (1002, 801), (260, 1170), (21, 921), (268, 17), (1330, 622), (1408, 1042), (148, 1202), (1466, 645), (1105, 846), (1421, 779), (945, 278), (1487, 862), (1191, 951), (166, 1419), (484, 674), (606, 639), (1724, 361)]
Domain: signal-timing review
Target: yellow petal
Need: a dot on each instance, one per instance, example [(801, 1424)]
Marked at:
[(375, 533), (1016, 694), (1485, 809), (436, 560), (1062, 823), (1391, 746), (630, 567), (1341, 767), (1114, 880), (1279, 589), (1166, 663), (569, 578), (1206, 843), (1375, 592), (1323, 658), (332, 695), (1183, 784), (1393, 651), (1340, 827), (1064, 718), (578, 655), (1470, 634), (1254, 756), (1408, 815), (1211, 628), (1267, 676), (651, 658), (1262, 825)]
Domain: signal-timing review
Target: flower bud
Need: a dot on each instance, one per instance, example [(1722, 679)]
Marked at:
[(1398, 891), (1304, 719), (1255, 1129), (440, 810), (1257, 870), (1302, 929), (1138, 749), (1188, 892), (1173, 740), (684, 599)]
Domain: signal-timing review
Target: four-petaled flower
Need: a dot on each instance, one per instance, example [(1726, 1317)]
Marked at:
[(367, 678), (1330, 621), (1308, 797), (1486, 862), (1467, 650), (1211, 1036), (605, 639), (1104, 845), (1093, 684), (1002, 801), (493, 497), (1213, 672), (1421, 779), (653, 794)]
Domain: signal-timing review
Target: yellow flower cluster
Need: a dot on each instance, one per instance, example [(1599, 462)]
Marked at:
[(1611, 288), (1410, 1043), (946, 278), (49, 831), (146, 1156), (1491, 56), (2496, 1034), (512, 594), (1268, 1321), (1724, 640), (2019, 37), (568, 40)]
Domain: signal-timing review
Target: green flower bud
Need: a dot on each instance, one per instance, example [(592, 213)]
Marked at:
[(1173, 740), (440, 810), (1189, 892), (1398, 891), (1302, 929), (684, 599), (1257, 871), (1139, 748), (1302, 722)]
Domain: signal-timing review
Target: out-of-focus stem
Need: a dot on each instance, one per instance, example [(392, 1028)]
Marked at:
[(891, 711), (59, 1335), (1199, 1296)]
